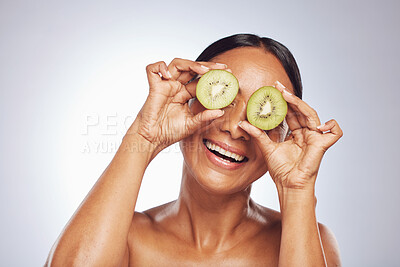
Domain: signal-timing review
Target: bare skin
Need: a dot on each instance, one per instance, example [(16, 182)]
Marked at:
[(214, 221)]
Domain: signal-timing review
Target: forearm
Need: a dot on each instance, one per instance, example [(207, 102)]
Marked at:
[(97, 232), (300, 240)]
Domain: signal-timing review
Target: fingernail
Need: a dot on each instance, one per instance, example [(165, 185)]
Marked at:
[(222, 64), (240, 123), (281, 85), (221, 112), (204, 67), (169, 74), (319, 127), (286, 92)]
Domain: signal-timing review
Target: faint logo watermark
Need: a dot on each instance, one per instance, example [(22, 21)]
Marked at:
[(103, 134)]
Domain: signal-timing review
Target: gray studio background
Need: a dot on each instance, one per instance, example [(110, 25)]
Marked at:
[(72, 79)]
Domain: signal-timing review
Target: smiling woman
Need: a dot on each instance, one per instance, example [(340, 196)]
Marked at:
[(214, 222)]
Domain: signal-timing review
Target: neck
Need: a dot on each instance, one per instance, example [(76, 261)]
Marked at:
[(213, 218)]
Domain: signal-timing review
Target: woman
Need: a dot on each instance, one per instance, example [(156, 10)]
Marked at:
[(214, 222)]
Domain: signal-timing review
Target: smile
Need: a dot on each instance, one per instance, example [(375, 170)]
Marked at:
[(217, 153)]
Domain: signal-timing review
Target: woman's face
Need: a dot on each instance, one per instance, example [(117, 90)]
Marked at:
[(254, 68)]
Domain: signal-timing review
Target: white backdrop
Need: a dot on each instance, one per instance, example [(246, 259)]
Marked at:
[(64, 66)]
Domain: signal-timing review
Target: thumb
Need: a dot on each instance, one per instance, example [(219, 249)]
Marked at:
[(206, 116), (261, 137)]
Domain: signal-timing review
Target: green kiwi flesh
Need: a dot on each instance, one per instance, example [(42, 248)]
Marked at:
[(217, 89), (266, 108)]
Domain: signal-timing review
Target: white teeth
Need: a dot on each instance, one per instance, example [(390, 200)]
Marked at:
[(223, 151), (216, 148)]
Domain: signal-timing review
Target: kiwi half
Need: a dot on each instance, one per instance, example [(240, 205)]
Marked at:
[(266, 108), (217, 89)]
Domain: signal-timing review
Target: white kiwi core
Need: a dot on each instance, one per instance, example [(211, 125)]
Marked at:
[(216, 89), (266, 109)]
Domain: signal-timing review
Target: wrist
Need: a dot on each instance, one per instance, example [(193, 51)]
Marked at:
[(296, 198), (296, 184), (134, 142)]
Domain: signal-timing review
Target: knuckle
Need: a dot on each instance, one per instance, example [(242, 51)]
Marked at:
[(297, 102), (203, 62), (313, 115), (152, 66), (175, 61), (162, 64), (312, 121), (314, 112)]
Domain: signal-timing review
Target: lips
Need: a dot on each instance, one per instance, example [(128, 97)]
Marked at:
[(223, 155)]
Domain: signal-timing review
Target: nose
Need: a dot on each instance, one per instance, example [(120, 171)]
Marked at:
[(229, 122)]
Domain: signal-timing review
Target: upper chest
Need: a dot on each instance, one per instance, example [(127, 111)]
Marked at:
[(162, 249)]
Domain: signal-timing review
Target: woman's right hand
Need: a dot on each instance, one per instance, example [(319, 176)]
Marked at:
[(165, 118)]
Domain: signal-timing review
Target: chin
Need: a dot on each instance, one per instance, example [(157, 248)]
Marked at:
[(222, 185)]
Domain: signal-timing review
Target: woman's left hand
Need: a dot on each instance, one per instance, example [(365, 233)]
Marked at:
[(294, 163)]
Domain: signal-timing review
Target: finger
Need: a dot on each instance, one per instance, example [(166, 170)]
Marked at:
[(198, 76), (295, 118), (313, 156), (184, 95), (154, 70), (179, 65), (332, 132), (191, 88), (292, 120), (188, 77), (261, 137), (183, 70), (331, 126), (214, 65), (206, 116), (307, 116)]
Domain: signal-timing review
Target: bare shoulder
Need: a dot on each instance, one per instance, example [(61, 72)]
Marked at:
[(148, 225), (268, 225), (151, 237), (270, 217), (148, 220), (330, 245), (328, 239)]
